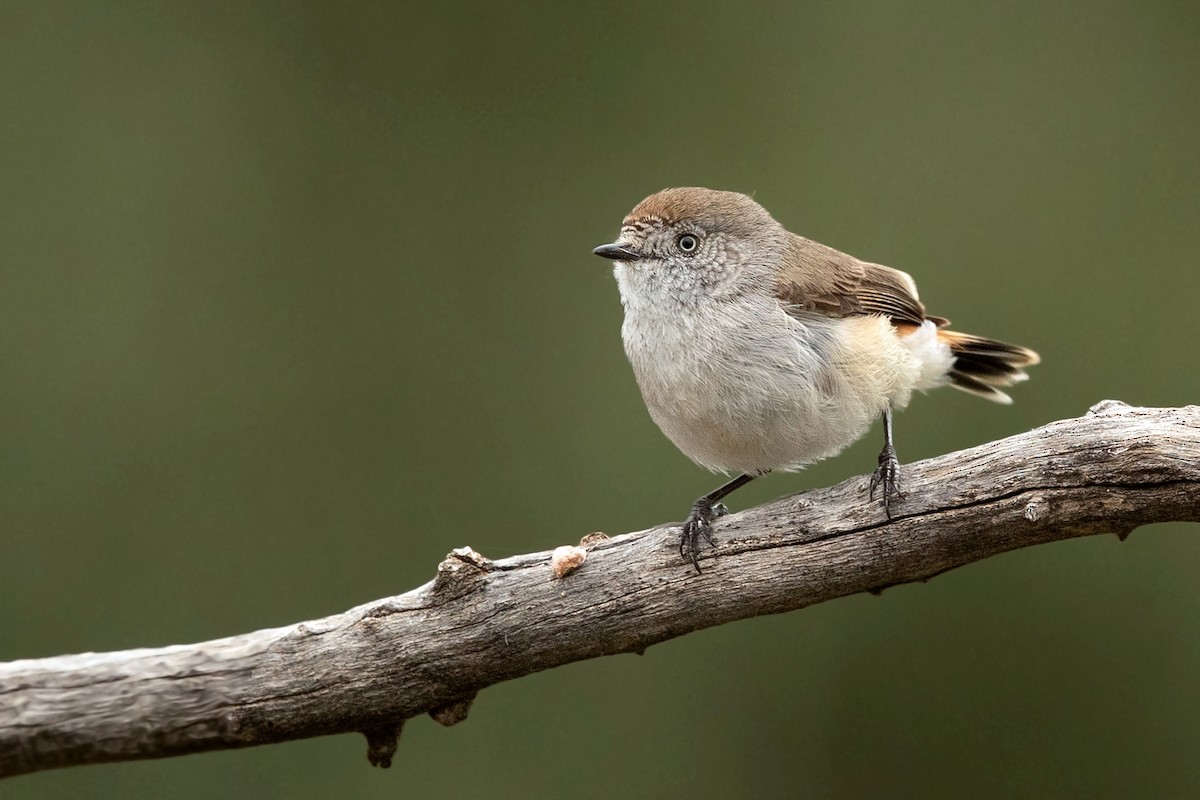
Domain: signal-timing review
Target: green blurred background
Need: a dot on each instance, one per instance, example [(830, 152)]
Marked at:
[(296, 297)]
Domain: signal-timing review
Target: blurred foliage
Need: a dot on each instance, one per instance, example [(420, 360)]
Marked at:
[(295, 297)]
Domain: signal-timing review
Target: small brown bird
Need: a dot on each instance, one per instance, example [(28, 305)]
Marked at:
[(759, 350)]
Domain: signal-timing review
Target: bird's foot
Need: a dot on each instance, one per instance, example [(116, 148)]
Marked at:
[(697, 526), (887, 478)]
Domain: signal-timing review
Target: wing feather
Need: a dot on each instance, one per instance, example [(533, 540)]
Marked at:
[(821, 280)]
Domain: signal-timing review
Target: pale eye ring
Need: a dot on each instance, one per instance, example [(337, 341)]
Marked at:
[(688, 243)]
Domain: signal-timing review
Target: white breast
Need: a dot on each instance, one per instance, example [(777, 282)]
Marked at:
[(743, 386)]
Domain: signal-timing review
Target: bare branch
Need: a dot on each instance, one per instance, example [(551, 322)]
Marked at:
[(480, 622)]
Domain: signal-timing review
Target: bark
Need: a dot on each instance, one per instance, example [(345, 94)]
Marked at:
[(481, 621)]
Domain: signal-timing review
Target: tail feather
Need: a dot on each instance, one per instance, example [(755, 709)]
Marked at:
[(984, 366)]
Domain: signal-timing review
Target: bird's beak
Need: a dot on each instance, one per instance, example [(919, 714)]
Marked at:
[(617, 252)]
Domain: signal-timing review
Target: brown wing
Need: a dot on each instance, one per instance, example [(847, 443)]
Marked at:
[(821, 280)]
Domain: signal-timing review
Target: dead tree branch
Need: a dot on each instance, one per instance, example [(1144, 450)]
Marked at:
[(480, 622)]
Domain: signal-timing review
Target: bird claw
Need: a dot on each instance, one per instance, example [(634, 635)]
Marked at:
[(887, 477), (697, 526)]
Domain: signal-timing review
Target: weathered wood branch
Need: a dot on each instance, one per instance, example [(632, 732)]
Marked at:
[(480, 622)]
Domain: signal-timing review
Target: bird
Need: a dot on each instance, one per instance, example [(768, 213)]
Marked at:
[(758, 350)]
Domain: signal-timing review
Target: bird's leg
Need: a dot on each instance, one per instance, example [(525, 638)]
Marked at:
[(699, 520), (887, 474)]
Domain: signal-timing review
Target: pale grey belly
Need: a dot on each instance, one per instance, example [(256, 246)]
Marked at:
[(779, 402)]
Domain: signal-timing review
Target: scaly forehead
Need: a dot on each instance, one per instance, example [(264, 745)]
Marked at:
[(708, 209)]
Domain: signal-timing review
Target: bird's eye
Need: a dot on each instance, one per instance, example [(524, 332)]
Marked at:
[(687, 243)]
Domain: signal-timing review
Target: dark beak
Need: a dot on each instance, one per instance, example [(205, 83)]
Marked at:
[(617, 252)]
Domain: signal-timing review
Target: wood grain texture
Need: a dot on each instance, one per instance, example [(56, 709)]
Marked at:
[(480, 622)]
